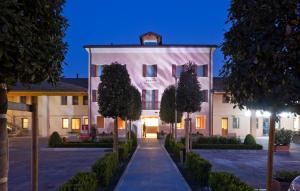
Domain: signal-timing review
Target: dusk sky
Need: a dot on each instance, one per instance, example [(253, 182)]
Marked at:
[(122, 22)]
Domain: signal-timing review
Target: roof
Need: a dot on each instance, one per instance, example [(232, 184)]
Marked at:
[(218, 84), (64, 85), (142, 46)]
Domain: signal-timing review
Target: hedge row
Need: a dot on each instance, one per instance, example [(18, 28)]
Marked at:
[(224, 181), (174, 148), (197, 169), (103, 170), (218, 140), (83, 145), (82, 181), (228, 146)]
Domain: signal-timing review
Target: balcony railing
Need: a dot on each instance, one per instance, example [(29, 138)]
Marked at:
[(150, 105)]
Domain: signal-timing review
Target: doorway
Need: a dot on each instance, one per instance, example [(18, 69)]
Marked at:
[(265, 126), (224, 125), (150, 126)]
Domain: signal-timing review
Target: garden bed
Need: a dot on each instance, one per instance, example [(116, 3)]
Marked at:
[(228, 146)]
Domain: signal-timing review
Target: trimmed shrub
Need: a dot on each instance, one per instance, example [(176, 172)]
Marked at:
[(249, 140), (54, 139), (223, 181), (286, 176), (82, 181), (124, 150), (133, 139), (228, 146), (218, 140), (105, 168), (283, 137), (198, 169), (168, 142)]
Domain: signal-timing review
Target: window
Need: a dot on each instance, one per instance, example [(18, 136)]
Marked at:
[(278, 123), (94, 95), (65, 123), (85, 100), (225, 98), (149, 99), (100, 122), (23, 99), (75, 100), (121, 123), (224, 126), (177, 70), (150, 42), (200, 122), (85, 121), (256, 123), (64, 100), (25, 123), (181, 124), (204, 95), (149, 70), (100, 70), (235, 122), (76, 124), (201, 71)]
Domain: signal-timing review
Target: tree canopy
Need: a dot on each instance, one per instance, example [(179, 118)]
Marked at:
[(32, 48), (261, 49), (113, 91), (189, 96), (134, 104), (167, 106)]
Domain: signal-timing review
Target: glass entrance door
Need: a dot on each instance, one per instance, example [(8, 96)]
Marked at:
[(265, 126), (224, 124)]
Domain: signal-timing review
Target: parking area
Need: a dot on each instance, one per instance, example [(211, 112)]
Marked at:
[(55, 167), (250, 165)]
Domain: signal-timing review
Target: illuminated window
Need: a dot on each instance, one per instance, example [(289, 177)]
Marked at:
[(75, 124), (100, 122), (224, 125), (181, 124), (85, 121), (65, 123), (25, 123), (200, 122), (121, 123)]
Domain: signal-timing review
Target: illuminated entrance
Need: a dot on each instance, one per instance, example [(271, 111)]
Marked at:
[(151, 126)]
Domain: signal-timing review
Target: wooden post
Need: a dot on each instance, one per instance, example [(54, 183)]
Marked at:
[(34, 146), (270, 151)]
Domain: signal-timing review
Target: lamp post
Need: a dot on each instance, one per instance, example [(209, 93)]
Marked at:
[(175, 130)]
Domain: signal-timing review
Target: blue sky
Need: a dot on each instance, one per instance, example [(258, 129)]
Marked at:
[(121, 22)]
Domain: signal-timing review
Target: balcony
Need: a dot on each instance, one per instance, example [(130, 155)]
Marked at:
[(150, 105)]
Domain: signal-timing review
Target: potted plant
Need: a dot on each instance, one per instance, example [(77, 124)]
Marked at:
[(282, 180), (283, 139)]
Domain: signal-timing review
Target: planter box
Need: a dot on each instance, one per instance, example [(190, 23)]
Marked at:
[(280, 186), (281, 148)]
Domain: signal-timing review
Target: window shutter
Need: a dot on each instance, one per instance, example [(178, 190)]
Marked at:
[(173, 70), (156, 98), (93, 70), (94, 95), (155, 70), (144, 70), (205, 71), (143, 99)]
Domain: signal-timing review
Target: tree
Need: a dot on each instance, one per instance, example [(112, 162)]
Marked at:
[(167, 108), (31, 51), (114, 95), (134, 106), (262, 68), (189, 97)]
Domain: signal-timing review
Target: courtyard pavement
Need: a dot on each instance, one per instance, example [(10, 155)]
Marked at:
[(250, 165), (55, 167), (150, 169)]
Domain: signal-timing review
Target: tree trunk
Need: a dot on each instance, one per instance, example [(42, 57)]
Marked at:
[(3, 138), (175, 132), (191, 137), (115, 144), (126, 130), (187, 148), (172, 130), (270, 151), (129, 134), (34, 146)]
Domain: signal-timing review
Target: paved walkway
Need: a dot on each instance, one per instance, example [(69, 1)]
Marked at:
[(150, 169)]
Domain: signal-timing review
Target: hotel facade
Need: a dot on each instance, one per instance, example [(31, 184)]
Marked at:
[(152, 66)]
